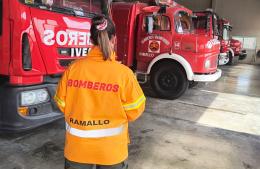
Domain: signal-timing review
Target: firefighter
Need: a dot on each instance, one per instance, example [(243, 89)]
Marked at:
[(99, 97)]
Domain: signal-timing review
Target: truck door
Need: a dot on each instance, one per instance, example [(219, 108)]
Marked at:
[(4, 38), (1, 16), (156, 41), (183, 42)]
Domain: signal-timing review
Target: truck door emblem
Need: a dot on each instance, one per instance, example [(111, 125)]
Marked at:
[(154, 46)]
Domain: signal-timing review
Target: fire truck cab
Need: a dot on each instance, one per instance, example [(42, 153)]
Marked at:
[(158, 42), (206, 23), (225, 29), (210, 24), (38, 39)]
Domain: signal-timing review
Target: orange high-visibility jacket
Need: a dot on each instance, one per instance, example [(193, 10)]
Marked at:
[(98, 99)]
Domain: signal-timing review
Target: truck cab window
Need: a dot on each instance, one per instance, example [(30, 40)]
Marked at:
[(161, 23), (183, 22), (1, 16), (200, 22)]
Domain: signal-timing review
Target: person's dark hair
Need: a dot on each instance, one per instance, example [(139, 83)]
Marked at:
[(102, 30)]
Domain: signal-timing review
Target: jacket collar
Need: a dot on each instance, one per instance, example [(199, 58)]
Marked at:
[(96, 54)]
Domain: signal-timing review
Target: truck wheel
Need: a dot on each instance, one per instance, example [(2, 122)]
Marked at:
[(223, 60), (232, 60), (169, 81), (243, 55)]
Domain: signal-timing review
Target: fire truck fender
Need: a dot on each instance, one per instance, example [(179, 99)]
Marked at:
[(231, 51), (178, 58)]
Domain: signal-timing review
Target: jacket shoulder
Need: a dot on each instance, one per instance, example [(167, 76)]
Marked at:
[(124, 69)]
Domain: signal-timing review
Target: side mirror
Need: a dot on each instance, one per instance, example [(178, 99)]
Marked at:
[(149, 24)]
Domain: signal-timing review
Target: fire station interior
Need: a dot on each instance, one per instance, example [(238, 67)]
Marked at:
[(213, 125)]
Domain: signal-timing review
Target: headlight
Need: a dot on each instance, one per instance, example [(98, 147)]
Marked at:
[(207, 64), (34, 97)]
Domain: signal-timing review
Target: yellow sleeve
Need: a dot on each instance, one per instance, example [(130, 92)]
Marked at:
[(60, 96), (133, 98)]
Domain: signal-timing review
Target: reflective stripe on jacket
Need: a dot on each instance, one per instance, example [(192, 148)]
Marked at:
[(98, 99)]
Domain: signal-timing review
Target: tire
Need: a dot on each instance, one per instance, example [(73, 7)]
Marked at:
[(192, 84), (222, 62), (169, 81), (232, 60)]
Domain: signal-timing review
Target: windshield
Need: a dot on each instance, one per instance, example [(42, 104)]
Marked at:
[(183, 22), (74, 7), (200, 22)]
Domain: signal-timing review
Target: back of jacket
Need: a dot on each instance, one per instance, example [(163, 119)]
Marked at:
[(98, 99)]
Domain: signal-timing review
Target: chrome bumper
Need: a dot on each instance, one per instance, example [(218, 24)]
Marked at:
[(209, 77)]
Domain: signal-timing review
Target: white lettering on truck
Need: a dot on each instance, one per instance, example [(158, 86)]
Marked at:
[(68, 37), (77, 52), (156, 37), (62, 41), (48, 36)]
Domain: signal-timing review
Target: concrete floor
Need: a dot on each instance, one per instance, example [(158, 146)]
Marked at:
[(213, 126)]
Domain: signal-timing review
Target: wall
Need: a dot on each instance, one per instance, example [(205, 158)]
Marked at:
[(245, 19), (196, 5), (244, 15)]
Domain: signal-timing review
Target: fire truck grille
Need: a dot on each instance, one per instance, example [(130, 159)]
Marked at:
[(65, 62)]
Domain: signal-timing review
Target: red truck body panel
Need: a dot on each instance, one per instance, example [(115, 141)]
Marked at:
[(5, 39), (47, 33), (126, 35), (59, 31), (236, 45)]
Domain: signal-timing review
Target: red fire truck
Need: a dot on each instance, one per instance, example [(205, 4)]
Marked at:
[(158, 43), (38, 39), (210, 24), (206, 23), (236, 45), (235, 52)]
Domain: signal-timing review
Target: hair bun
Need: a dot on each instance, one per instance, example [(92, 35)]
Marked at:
[(102, 26)]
